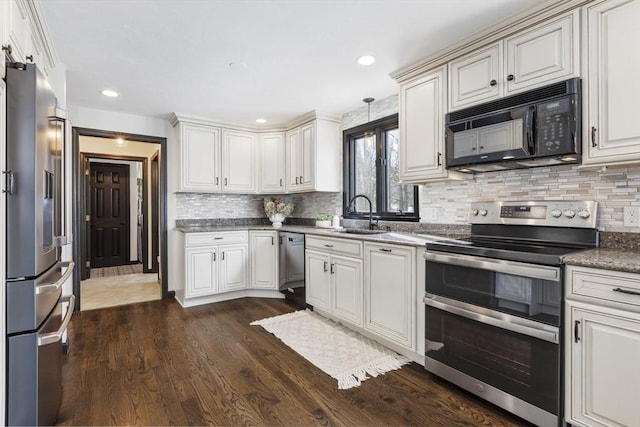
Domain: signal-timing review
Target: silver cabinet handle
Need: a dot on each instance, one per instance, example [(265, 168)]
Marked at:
[(55, 287), (53, 337), (494, 318), (624, 291), (9, 186)]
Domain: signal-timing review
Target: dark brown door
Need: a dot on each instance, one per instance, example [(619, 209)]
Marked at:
[(155, 208), (109, 214)]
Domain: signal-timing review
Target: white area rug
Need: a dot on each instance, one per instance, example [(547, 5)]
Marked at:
[(338, 351)]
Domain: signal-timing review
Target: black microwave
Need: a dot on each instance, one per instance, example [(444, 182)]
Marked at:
[(541, 127)]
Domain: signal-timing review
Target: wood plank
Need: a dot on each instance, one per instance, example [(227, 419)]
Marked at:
[(156, 363)]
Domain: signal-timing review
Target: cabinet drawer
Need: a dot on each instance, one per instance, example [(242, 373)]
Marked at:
[(222, 237), (342, 246), (605, 286)]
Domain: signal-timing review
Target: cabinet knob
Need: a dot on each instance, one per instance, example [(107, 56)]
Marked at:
[(7, 48), (493, 82), (510, 77)]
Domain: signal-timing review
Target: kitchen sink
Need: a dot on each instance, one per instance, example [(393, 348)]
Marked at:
[(360, 231)]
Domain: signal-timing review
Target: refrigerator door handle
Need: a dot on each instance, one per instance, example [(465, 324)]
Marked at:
[(53, 337), (55, 287)]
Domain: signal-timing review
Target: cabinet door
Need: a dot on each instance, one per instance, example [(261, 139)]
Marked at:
[(293, 160), (308, 159), (200, 158), (544, 54), (238, 161), (201, 272), (19, 31), (346, 278), (476, 77), (612, 131), (272, 163), (422, 105), (295, 258), (605, 377), (318, 280), (233, 267), (264, 259), (390, 292)]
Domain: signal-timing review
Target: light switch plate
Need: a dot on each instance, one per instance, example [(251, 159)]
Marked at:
[(632, 216)]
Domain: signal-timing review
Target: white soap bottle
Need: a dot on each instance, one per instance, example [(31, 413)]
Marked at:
[(335, 221)]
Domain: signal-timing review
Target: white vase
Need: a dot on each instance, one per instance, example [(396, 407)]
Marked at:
[(277, 219)]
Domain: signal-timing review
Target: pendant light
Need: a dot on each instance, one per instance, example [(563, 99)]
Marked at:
[(369, 136)]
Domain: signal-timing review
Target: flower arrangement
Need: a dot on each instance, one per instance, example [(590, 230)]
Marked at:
[(275, 205)]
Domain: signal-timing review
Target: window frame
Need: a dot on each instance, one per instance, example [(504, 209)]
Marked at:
[(379, 128)]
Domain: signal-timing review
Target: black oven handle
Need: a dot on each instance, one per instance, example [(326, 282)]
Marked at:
[(494, 318), (498, 265)]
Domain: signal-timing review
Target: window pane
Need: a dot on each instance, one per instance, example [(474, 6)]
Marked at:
[(399, 197), (365, 171)]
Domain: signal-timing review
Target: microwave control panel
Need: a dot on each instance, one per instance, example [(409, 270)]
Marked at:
[(554, 126)]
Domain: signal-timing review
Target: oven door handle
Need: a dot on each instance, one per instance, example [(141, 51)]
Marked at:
[(498, 265), (497, 319), (52, 337)]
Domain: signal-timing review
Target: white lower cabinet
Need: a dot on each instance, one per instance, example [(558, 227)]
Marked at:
[(218, 266), (390, 292), (264, 259), (602, 348), (334, 277), (233, 267)]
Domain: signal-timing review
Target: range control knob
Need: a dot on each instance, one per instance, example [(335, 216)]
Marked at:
[(569, 213), (556, 213), (483, 212), (584, 213), (474, 212)]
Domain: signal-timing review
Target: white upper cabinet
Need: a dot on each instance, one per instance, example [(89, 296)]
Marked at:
[(271, 159), (611, 89), (474, 77), (200, 158), (546, 53), (238, 161), (422, 108), (313, 156)]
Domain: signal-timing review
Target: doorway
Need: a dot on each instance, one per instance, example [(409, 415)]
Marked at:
[(119, 211)]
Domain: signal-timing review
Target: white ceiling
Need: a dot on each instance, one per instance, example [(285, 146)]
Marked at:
[(173, 55)]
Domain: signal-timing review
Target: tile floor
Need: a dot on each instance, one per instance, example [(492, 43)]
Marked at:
[(111, 291)]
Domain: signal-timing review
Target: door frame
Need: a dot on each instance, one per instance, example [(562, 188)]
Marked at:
[(85, 234), (155, 218), (79, 199)]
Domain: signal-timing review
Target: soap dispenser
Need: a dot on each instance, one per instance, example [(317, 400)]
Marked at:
[(335, 221)]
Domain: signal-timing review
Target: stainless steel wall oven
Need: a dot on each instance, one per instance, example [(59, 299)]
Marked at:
[(493, 303)]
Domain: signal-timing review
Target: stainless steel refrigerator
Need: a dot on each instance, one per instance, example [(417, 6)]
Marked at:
[(35, 275)]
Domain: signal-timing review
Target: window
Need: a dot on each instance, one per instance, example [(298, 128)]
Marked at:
[(371, 169)]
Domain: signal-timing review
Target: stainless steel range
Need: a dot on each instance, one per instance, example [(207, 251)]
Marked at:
[(493, 303)]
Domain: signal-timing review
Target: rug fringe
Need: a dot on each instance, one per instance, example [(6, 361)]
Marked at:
[(356, 376)]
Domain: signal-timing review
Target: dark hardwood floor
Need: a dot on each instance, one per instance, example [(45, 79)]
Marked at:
[(155, 363)]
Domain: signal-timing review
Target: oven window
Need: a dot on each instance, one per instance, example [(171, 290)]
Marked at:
[(520, 365), (531, 298)]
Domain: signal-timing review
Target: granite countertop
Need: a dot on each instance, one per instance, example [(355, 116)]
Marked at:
[(607, 259), (394, 237)]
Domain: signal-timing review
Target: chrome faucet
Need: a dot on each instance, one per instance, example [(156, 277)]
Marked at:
[(371, 224)]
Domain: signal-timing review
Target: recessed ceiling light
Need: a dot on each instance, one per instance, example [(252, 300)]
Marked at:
[(110, 93), (119, 141), (366, 60), (261, 121)]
